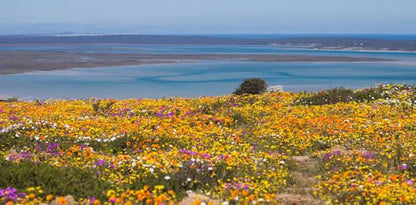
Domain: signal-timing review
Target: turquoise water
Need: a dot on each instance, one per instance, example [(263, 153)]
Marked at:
[(203, 78)]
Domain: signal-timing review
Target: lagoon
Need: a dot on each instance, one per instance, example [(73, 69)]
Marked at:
[(202, 78)]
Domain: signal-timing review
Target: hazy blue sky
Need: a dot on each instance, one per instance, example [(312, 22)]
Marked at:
[(208, 16)]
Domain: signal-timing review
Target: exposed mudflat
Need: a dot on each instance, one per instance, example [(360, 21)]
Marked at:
[(12, 62)]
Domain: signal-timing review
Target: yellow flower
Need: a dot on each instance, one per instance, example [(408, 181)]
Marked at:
[(159, 187), (110, 193)]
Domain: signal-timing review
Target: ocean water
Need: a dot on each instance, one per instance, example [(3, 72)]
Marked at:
[(203, 78)]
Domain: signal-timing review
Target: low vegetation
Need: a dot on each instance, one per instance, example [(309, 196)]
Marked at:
[(338, 146), (338, 95), (251, 86), (53, 180)]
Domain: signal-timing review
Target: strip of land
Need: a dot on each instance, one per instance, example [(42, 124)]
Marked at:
[(307, 42), (12, 62)]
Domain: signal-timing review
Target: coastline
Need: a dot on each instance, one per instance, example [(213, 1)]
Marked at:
[(345, 49), (14, 62)]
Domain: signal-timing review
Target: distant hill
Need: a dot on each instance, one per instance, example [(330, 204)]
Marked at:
[(130, 39)]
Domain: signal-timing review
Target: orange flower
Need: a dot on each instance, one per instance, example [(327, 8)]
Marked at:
[(97, 202), (49, 197), (234, 194), (61, 200), (196, 202), (149, 201), (32, 196)]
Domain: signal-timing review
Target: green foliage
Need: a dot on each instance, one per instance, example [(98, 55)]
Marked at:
[(337, 95), (102, 108), (191, 176), (54, 180), (330, 96), (251, 86)]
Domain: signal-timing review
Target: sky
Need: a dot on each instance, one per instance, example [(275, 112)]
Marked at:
[(208, 16)]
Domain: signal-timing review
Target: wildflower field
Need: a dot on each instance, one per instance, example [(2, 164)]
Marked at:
[(332, 147)]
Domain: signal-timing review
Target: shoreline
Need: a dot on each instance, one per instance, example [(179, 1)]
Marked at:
[(347, 49), (15, 62), (355, 49)]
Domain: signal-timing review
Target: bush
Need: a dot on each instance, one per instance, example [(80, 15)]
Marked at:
[(53, 180), (102, 108), (337, 95), (330, 96), (251, 86)]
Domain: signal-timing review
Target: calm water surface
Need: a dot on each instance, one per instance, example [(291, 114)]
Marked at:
[(203, 78)]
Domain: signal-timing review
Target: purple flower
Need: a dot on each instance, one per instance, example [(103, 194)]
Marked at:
[(368, 155), (92, 200), (233, 105), (11, 193), (187, 152), (333, 153), (2, 193), (409, 182), (20, 156), (206, 156), (100, 162), (327, 156), (238, 186), (22, 195), (403, 166), (13, 118), (113, 200), (53, 147)]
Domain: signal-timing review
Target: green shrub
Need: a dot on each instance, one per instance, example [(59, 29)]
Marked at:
[(368, 94), (330, 96), (251, 86), (337, 95), (102, 108), (54, 180)]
